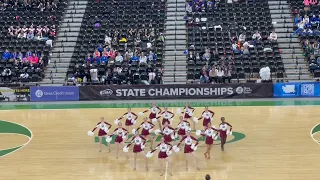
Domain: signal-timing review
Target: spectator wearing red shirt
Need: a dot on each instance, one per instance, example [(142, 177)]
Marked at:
[(35, 59), (96, 53)]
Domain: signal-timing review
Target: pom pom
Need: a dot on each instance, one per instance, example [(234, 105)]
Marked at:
[(140, 113), (169, 153), (142, 146), (116, 121), (90, 133), (194, 147), (157, 131), (230, 132), (133, 121), (134, 131), (178, 111), (190, 113), (125, 149), (198, 132), (149, 154), (172, 136), (124, 137), (154, 120), (106, 130), (175, 148), (108, 139), (195, 119), (215, 138)]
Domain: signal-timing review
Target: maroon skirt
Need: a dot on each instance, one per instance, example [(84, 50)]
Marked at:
[(165, 120), (137, 148), (101, 132), (223, 134), (151, 116), (128, 122), (162, 155), (182, 132), (205, 122), (187, 149), (167, 138), (209, 140), (118, 139), (145, 132), (187, 116)]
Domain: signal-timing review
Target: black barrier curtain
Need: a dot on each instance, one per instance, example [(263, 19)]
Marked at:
[(180, 91)]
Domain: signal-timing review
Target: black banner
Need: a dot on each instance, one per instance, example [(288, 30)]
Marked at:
[(14, 94), (179, 91)]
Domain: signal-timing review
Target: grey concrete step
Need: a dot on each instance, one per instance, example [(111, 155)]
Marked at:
[(73, 11), (281, 16), (293, 77), (59, 70), (176, 13), (177, 63), (58, 65), (54, 80)]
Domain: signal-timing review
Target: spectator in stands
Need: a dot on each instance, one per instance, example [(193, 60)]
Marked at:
[(213, 75), (297, 19), (220, 74), (273, 36), (30, 35), (204, 78), (227, 74), (6, 55), (135, 57), (242, 37), (256, 36), (20, 56), (299, 29), (11, 31), (151, 73), (245, 51), (306, 19), (207, 55), (119, 58), (142, 58), (34, 59), (104, 59), (152, 57), (24, 76), (315, 47)]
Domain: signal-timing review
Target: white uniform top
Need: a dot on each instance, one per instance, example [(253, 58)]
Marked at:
[(120, 132), (164, 147), (166, 115), (154, 110), (102, 126), (187, 110), (206, 115), (146, 126), (223, 127), (188, 140), (137, 140), (183, 125), (130, 116), (167, 131), (209, 132)]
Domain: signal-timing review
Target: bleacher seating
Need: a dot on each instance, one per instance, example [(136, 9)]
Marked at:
[(204, 32), (310, 36), (18, 16), (128, 19)]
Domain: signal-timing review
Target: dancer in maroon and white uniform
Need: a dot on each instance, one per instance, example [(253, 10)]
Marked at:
[(166, 116), (224, 131), (138, 148), (121, 136), (207, 116), (189, 148), (146, 129), (103, 131), (188, 113), (168, 133), (210, 133), (154, 111), (183, 127), (164, 152), (130, 119)]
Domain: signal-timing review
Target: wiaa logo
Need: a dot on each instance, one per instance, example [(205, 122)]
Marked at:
[(39, 93), (243, 90), (106, 92)]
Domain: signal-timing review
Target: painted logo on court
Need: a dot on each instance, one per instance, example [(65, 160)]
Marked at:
[(315, 130), (13, 128), (39, 93), (236, 136)]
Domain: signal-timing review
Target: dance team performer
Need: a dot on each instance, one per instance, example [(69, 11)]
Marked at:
[(207, 116), (210, 135), (166, 116), (103, 131), (164, 153), (138, 148), (131, 119), (154, 111), (121, 136), (146, 130), (224, 131), (168, 133), (189, 148), (182, 127), (188, 113)]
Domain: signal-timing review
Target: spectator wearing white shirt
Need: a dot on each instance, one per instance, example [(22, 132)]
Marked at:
[(188, 8), (256, 36), (242, 37), (142, 58), (300, 28), (24, 76), (220, 75), (149, 45), (107, 40), (119, 58), (273, 36), (306, 19)]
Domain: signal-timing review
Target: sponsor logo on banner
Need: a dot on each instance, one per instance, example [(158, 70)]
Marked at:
[(14, 94), (54, 93), (311, 89), (176, 91)]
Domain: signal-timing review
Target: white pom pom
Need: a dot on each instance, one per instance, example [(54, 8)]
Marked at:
[(157, 131), (124, 137), (125, 149), (175, 135), (108, 139), (133, 121), (154, 120), (140, 113), (175, 148), (230, 132), (90, 133), (149, 154), (142, 146), (195, 119), (178, 111), (216, 137), (172, 136), (169, 153), (190, 113), (106, 130), (116, 121), (198, 132), (194, 147), (134, 131)]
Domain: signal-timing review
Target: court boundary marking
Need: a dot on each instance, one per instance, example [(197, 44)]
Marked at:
[(314, 134), (166, 173), (23, 145)]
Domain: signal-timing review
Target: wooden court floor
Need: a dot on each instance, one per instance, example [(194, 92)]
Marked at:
[(277, 146)]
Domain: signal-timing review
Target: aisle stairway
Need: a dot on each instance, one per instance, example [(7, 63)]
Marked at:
[(294, 63), (64, 45), (175, 61)]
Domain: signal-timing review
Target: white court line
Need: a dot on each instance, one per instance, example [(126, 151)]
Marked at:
[(314, 133), (166, 174)]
